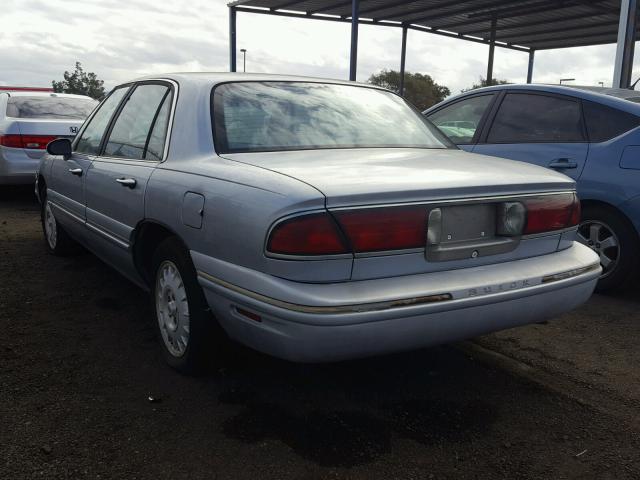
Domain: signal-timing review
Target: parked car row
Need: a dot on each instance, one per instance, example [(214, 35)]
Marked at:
[(592, 137), (31, 118), (312, 220)]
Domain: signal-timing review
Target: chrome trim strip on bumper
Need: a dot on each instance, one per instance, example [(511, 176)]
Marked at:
[(357, 308)]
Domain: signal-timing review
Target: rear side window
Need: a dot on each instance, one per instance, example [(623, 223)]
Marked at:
[(460, 121), (90, 139), (130, 135), (605, 123), (52, 107), (530, 118)]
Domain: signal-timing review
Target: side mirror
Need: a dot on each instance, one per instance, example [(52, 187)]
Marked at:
[(60, 146)]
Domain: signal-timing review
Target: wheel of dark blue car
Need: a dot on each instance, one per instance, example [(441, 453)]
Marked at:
[(186, 328), (613, 238)]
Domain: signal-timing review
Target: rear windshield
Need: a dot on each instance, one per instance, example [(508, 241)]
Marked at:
[(277, 116), (50, 107)]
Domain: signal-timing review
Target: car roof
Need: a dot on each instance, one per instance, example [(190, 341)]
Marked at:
[(215, 78), (591, 94), (23, 93)]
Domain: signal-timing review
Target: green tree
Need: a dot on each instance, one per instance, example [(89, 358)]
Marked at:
[(80, 83), (483, 83), (419, 89)]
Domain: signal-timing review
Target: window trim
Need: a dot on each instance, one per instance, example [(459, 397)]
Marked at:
[(448, 144), (485, 133), (483, 118), (173, 90)]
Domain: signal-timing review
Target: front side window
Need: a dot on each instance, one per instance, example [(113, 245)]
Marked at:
[(276, 116), (129, 136), (90, 139), (51, 107), (460, 121), (530, 118)]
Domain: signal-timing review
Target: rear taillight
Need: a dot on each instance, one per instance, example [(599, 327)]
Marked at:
[(547, 213), (36, 142), (380, 229), (315, 234)]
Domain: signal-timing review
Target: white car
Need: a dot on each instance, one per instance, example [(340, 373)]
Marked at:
[(28, 121)]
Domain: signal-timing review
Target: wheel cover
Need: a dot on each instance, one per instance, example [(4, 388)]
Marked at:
[(172, 308), (601, 238), (50, 226)]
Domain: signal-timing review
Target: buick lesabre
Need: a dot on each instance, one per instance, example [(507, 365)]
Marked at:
[(309, 219)]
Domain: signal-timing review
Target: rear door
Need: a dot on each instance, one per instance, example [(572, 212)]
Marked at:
[(117, 179), (540, 128), (461, 120), (66, 186)]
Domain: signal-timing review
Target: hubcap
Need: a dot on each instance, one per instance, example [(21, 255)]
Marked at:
[(172, 308), (50, 226), (600, 238)]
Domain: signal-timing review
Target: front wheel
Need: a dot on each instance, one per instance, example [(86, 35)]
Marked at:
[(57, 241), (608, 233), (186, 328)]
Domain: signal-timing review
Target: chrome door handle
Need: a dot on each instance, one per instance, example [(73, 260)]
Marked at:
[(127, 182), (563, 163), (76, 171)]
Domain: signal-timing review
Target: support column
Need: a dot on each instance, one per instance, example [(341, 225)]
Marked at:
[(530, 68), (626, 43), (403, 57), (492, 48), (232, 39), (353, 59)]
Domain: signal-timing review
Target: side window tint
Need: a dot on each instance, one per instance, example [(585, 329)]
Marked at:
[(528, 118), (460, 120), (155, 147), (604, 123), (128, 137), (89, 141)]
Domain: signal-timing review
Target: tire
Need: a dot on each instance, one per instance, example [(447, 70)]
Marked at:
[(56, 239), (612, 236), (189, 336)]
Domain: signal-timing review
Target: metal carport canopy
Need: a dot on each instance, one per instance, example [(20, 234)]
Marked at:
[(524, 25)]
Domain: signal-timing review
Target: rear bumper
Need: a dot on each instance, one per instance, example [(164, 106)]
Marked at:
[(16, 167), (328, 322)]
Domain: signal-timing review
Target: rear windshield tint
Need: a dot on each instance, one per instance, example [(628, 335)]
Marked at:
[(50, 107)]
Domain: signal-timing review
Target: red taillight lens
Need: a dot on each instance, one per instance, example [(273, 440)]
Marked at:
[(379, 229), (315, 234), (551, 212), (13, 141), (36, 142)]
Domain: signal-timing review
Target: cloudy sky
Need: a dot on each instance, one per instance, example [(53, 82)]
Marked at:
[(123, 39)]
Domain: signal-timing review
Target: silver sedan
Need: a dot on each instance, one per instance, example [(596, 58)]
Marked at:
[(309, 219)]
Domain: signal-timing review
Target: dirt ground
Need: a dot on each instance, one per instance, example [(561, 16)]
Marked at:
[(79, 364)]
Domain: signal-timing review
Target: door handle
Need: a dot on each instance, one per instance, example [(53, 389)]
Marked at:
[(76, 171), (127, 182), (563, 163)]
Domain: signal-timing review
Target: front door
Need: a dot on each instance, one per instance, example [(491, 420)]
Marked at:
[(117, 179), (537, 128), (67, 185)]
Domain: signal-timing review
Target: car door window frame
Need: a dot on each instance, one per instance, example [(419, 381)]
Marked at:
[(173, 92), (494, 113), (483, 118), (93, 114)]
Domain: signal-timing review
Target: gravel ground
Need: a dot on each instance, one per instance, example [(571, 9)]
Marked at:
[(79, 363)]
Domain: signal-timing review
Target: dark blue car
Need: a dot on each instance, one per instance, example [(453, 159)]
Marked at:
[(591, 135)]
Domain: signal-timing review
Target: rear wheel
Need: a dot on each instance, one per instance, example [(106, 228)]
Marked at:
[(608, 233), (187, 330), (57, 240)]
